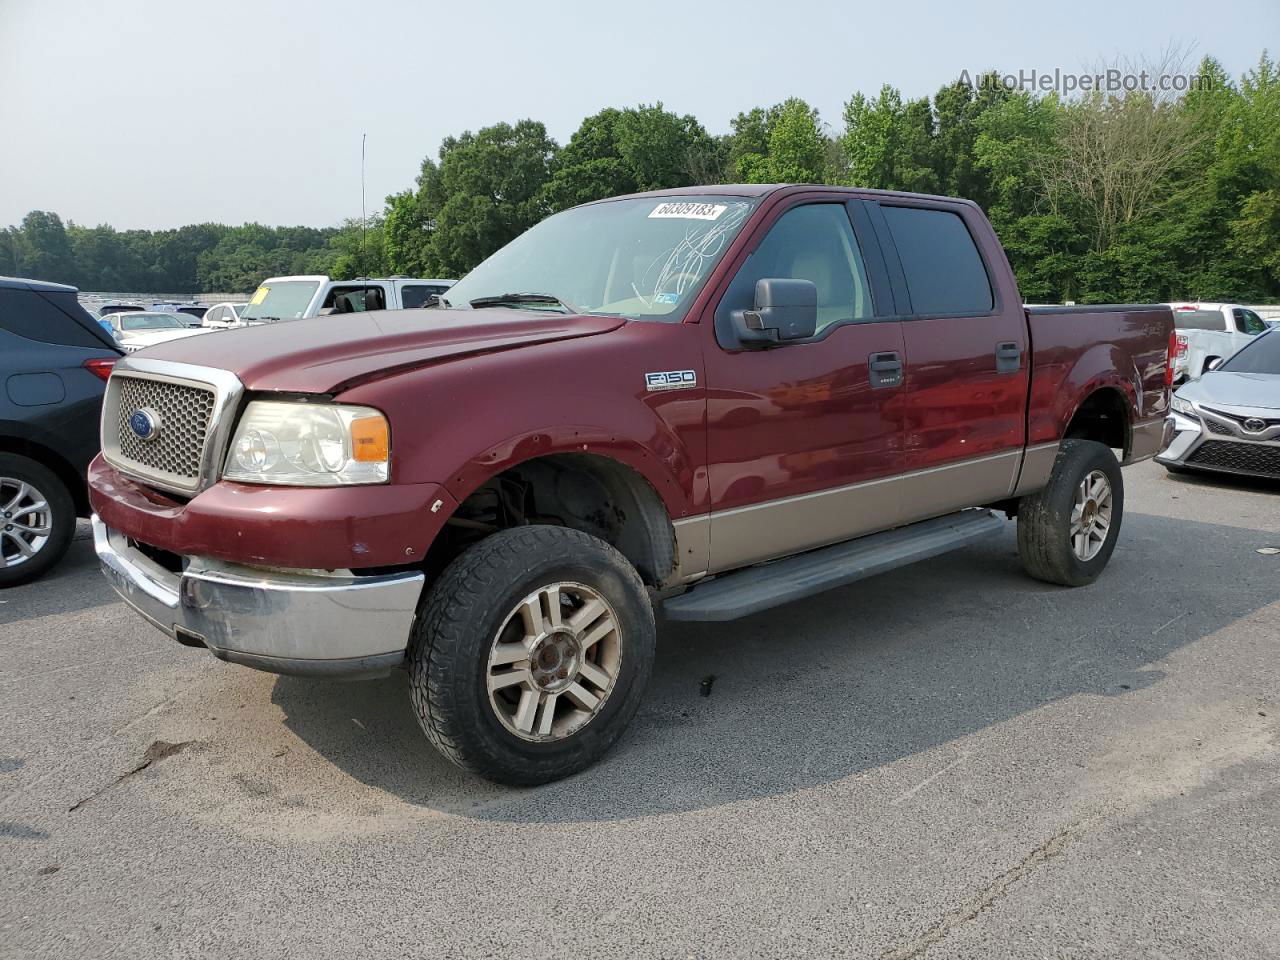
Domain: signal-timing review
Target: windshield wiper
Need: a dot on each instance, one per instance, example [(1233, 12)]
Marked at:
[(515, 299)]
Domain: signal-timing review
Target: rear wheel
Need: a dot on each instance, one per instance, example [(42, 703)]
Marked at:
[(531, 654), (37, 519), (1067, 531)]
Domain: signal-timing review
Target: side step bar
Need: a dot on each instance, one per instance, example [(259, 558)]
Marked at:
[(768, 585)]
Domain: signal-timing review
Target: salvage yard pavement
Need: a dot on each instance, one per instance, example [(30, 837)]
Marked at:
[(950, 760)]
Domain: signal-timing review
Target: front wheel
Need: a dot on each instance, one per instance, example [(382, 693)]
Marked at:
[(531, 653), (1068, 530), (37, 519)]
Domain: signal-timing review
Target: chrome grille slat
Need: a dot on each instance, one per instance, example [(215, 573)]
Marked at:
[(185, 414)]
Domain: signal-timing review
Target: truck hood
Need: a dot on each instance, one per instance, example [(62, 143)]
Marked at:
[(334, 353)]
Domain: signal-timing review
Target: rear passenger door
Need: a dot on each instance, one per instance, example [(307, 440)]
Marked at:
[(966, 357)]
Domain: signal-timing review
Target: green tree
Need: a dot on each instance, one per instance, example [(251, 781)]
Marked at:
[(626, 151), (784, 144), (490, 190), (889, 144), (42, 250)]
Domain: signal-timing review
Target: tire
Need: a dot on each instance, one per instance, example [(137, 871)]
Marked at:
[(1048, 544), (463, 648), (26, 483)]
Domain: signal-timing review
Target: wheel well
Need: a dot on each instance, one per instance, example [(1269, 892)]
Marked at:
[(71, 478), (585, 492), (1104, 417)]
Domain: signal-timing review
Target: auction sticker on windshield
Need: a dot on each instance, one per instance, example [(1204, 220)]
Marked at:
[(688, 211), (260, 295)]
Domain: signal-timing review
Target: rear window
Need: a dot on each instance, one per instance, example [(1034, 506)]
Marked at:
[(1198, 320), (46, 317), (944, 271), (1260, 355)]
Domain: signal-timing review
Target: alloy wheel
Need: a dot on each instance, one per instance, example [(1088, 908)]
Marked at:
[(26, 521), (554, 662), (1091, 515)]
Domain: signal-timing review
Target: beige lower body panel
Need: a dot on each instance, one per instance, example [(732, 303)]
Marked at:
[(1146, 441), (765, 531), (1037, 467)]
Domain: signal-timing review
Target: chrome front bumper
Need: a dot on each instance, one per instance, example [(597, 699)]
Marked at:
[(283, 622), (1184, 435)]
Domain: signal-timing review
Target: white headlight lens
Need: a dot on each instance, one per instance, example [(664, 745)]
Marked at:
[(1183, 407), (309, 445)]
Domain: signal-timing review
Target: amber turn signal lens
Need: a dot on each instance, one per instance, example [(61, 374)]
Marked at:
[(370, 440)]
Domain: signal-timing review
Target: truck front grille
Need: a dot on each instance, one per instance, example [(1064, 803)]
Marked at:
[(1256, 459), (181, 414)]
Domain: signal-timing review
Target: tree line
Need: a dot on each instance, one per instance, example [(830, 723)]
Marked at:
[(1128, 196)]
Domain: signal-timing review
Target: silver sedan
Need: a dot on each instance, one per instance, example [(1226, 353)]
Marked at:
[(1228, 421)]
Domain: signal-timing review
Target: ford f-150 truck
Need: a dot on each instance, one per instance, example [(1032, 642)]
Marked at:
[(696, 403)]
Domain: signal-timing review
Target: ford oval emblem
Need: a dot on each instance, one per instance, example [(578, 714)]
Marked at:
[(1254, 425), (145, 424)]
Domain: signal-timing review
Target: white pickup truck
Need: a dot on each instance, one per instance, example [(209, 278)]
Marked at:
[(1210, 331), (296, 298)]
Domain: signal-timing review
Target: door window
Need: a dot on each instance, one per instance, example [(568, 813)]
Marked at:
[(1249, 322), (415, 295), (356, 299), (944, 270), (814, 242)]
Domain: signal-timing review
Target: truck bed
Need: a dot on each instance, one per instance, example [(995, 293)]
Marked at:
[(1077, 349)]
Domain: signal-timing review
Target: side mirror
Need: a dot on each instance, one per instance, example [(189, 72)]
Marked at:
[(784, 310), (1213, 364)]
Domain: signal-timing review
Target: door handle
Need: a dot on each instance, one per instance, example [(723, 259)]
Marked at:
[(1008, 357), (885, 369)]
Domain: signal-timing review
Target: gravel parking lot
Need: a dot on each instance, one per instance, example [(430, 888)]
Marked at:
[(950, 760)]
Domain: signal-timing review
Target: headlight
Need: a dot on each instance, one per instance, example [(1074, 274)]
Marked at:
[(309, 445), (1184, 407)]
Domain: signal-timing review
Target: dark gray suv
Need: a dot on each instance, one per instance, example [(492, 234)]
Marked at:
[(54, 363)]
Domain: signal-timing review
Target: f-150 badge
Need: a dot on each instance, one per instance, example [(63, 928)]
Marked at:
[(671, 380)]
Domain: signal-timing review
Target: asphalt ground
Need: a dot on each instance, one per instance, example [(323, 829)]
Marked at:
[(950, 760)]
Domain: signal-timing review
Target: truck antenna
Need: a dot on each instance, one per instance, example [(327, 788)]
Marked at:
[(364, 223)]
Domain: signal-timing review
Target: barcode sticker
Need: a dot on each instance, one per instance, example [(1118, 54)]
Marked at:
[(688, 211)]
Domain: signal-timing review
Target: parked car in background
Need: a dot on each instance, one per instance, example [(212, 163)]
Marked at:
[(134, 331), (54, 364), (1228, 421), (705, 401), (190, 313), (296, 298), (106, 309), (1208, 332), (222, 316)]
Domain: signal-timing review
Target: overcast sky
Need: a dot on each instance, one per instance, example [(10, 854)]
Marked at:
[(156, 113)]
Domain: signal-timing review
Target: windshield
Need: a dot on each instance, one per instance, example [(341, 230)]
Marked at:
[(633, 258), (149, 321), (1260, 355), (282, 300)]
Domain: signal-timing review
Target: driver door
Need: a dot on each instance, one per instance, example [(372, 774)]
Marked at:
[(803, 439)]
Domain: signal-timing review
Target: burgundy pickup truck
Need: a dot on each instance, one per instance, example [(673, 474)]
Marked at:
[(702, 402)]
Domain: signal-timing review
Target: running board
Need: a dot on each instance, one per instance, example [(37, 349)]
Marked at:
[(767, 585)]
